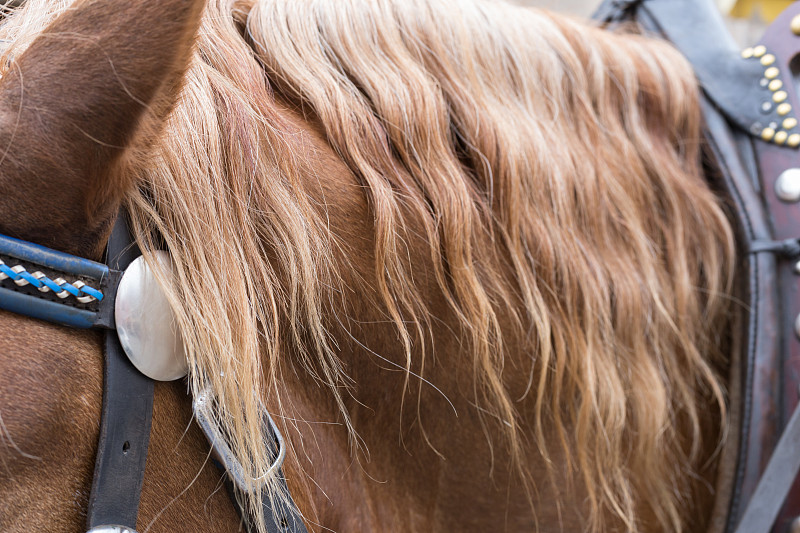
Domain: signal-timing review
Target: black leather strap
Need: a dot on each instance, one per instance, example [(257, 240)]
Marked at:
[(126, 416), (776, 481), (787, 248), (125, 426), (761, 342), (282, 517), (277, 519)]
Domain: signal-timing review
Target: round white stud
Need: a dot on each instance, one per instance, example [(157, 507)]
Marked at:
[(797, 332), (787, 187), (795, 26), (145, 323)]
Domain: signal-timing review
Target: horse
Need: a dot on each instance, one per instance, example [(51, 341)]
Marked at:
[(466, 256)]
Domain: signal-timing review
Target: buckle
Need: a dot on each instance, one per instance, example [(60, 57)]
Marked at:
[(203, 412)]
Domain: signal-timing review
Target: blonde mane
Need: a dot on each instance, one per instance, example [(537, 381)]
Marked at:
[(555, 171)]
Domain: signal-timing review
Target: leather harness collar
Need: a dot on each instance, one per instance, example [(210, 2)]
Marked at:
[(31, 285), (748, 103)]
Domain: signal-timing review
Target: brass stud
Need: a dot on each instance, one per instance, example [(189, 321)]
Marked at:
[(789, 123), (794, 140), (767, 134), (767, 60), (747, 53), (784, 109), (780, 137), (779, 96), (771, 73), (759, 50), (795, 25), (774, 85)]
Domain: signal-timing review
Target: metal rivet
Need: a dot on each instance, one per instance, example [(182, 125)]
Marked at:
[(766, 107), (795, 25), (110, 529), (795, 525), (767, 60), (759, 50), (787, 186), (767, 134), (771, 73), (779, 96), (797, 268), (789, 123), (763, 82), (774, 85), (784, 109), (794, 140), (780, 137), (747, 53), (773, 125)]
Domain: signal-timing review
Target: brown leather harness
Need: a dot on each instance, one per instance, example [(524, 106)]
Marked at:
[(750, 100)]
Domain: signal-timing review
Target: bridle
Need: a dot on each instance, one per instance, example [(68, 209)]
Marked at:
[(749, 103), (123, 299)]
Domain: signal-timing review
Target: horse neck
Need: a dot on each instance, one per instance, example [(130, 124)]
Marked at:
[(422, 448), (425, 454)]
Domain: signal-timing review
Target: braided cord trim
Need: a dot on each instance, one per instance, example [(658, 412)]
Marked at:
[(60, 287)]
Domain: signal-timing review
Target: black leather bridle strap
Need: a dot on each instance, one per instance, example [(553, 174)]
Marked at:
[(279, 516), (126, 416), (127, 406), (125, 427)]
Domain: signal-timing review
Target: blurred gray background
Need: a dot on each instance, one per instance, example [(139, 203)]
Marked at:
[(745, 31), (583, 8)]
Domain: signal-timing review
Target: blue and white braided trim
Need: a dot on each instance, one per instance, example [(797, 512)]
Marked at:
[(60, 287)]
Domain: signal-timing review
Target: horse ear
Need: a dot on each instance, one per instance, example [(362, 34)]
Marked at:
[(88, 93)]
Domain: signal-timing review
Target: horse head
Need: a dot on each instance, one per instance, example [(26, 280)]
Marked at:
[(468, 260), (82, 95)]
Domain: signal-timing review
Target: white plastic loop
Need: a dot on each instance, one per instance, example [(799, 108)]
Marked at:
[(63, 293), (82, 299), (21, 281), (40, 275)]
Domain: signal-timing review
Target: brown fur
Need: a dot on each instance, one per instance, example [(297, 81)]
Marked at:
[(51, 411), (467, 259)]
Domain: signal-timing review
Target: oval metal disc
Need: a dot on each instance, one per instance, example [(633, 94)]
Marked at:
[(787, 187), (146, 325)]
